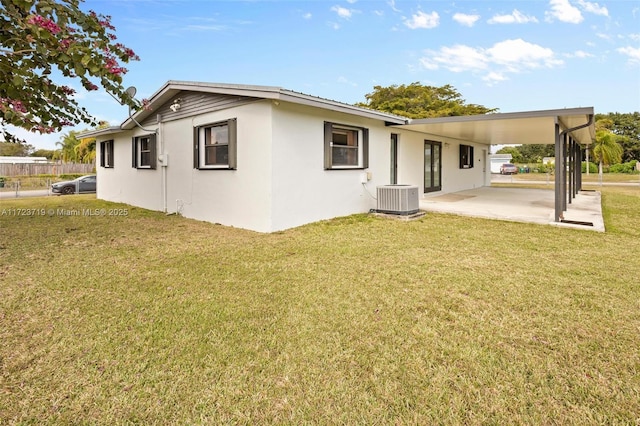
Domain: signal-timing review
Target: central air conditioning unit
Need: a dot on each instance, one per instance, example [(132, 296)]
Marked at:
[(398, 199)]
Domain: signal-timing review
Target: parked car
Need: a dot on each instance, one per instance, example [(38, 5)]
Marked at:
[(508, 169), (83, 184)]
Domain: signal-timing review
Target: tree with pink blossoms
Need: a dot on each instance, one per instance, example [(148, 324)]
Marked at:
[(40, 36)]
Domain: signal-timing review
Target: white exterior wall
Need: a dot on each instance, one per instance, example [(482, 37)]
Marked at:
[(240, 197), (123, 183), (303, 191), (411, 163), (280, 181)]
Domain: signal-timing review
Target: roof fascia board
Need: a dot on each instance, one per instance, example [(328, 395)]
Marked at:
[(302, 99), (552, 113), (101, 132), (171, 88)]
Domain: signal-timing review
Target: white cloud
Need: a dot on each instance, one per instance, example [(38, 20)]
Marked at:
[(494, 77), (392, 5), (580, 54), (378, 12), (518, 54), (307, 15), (457, 58), (342, 12), (423, 20), (516, 17), (466, 20), (509, 56), (563, 11), (594, 8), (632, 52), (214, 28)]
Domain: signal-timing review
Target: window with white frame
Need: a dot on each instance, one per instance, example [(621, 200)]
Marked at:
[(214, 145), (106, 154), (345, 147), (144, 152)]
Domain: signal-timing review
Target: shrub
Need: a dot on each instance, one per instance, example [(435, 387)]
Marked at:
[(628, 167), (544, 168), (593, 167)]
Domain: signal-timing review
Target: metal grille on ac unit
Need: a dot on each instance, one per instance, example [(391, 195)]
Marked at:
[(398, 199)]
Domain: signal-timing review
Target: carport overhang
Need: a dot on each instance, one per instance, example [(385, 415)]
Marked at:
[(569, 129)]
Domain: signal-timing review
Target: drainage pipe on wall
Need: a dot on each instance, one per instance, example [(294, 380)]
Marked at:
[(163, 160)]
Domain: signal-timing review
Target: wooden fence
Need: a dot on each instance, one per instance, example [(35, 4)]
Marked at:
[(9, 170)]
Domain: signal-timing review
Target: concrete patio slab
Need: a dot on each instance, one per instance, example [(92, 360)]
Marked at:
[(520, 205)]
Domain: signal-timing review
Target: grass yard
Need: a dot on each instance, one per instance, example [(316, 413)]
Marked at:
[(153, 319), (591, 178)]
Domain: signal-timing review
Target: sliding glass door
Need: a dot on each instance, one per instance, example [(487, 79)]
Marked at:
[(432, 166)]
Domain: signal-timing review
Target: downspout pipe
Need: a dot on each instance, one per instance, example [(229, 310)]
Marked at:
[(159, 140), (560, 172)]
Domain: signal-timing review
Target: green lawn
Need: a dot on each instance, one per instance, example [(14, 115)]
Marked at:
[(154, 319), (591, 178)]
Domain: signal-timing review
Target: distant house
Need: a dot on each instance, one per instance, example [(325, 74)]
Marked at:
[(498, 160), (267, 159), (23, 160)]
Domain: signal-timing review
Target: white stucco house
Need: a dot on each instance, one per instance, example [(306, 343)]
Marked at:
[(267, 159), (497, 160)]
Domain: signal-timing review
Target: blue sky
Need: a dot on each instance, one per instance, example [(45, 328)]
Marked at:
[(511, 55)]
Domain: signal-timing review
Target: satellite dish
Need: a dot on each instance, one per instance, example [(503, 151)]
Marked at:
[(131, 91)]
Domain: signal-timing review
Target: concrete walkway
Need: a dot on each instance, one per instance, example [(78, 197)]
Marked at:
[(519, 205)]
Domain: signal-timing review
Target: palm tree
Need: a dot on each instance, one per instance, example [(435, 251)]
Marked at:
[(86, 150), (67, 152), (606, 150)]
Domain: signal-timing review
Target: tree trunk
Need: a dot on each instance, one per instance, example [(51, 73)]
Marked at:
[(600, 172)]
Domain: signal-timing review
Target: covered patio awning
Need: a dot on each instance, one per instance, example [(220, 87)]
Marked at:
[(529, 127), (568, 129)]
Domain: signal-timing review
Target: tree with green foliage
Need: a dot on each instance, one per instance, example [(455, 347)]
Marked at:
[(47, 153), (606, 149), (67, 152), (529, 153), (626, 125), (75, 149), (42, 36), (534, 153), (86, 150), (21, 149), (418, 101), (516, 156)]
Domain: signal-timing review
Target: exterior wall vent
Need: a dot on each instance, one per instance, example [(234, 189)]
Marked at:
[(398, 199)]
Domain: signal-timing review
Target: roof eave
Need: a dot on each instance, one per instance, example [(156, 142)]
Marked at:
[(172, 88), (101, 132)]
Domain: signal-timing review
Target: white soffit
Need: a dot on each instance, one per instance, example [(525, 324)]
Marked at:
[(531, 127)]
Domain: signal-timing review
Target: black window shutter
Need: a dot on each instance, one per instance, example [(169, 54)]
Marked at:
[(153, 151), (470, 156), (196, 157), (328, 137), (111, 153), (233, 143), (134, 159), (102, 154), (365, 148)]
